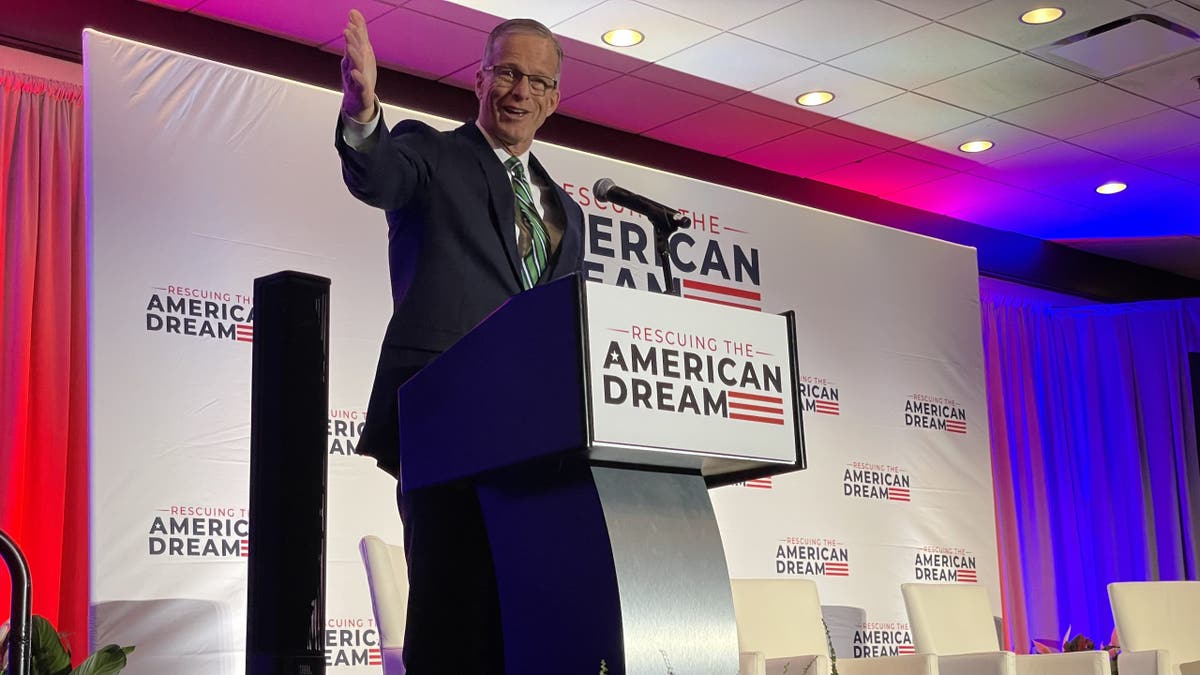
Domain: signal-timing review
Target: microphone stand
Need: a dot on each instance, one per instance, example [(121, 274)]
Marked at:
[(664, 227)]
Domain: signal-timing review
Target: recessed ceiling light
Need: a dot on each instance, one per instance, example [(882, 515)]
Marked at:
[(1042, 15), (622, 37), (976, 146), (814, 98), (1111, 188)]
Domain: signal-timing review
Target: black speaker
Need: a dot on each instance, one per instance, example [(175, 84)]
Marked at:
[(289, 412)]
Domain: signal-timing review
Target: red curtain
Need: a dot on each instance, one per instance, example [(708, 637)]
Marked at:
[(43, 347)]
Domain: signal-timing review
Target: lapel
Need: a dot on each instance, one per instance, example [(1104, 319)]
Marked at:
[(501, 201), (571, 230)]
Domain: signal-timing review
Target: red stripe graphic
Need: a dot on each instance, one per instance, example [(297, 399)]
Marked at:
[(956, 426), (754, 418), (724, 290), (827, 407), (721, 302), (244, 332), (907, 649), (967, 576), (898, 494), (760, 483), (755, 408), (245, 548), (374, 657), (837, 569), (756, 397)]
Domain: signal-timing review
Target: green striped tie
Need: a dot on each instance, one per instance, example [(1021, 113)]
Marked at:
[(534, 262)]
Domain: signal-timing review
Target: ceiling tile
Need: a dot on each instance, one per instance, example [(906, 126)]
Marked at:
[(610, 104), (689, 83), (181, 5), (1192, 108), (911, 117), (1182, 163), (954, 194), (999, 20), (851, 91), (1010, 83), (1009, 140), (548, 13), (780, 110), (723, 130), (315, 26), (665, 33), (723, 15), (1144, 187), (421, 44), (600, 56), (1080, 111), (755, 65), (920, 57), (478, 19), (577, 76), (1034, 215), (883, 173), (1153, 134), (936, 9), (826, 29), (1171, 82), (1047, 165), (806, 153), (862, 134)]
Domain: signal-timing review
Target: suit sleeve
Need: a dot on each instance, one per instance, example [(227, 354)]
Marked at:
[(390, 169)]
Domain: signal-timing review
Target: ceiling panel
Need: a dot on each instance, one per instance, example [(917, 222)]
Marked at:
[(742, 129), (755, 66), (852, 92), (421, 44), (548, 13), (1009, 140), (685, 82), (917, 58), (633, 104), (1153, 134), (1010, 83), (1078, 112), (1145, 188), (936, 9), (806, 153), (999, 20), (911, 117), (1171, 82), (665, 33), (825, 29), (316, 26), (723, 15), (1182, 163), (883, 173), (1047, 165)]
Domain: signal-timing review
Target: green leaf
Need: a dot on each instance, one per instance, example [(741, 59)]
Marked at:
[(48, 656), (107, 660)]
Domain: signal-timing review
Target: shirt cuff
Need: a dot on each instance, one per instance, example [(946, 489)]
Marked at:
[(356, 133)]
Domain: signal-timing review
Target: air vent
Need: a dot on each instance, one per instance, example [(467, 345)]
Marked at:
[(1120, 46)]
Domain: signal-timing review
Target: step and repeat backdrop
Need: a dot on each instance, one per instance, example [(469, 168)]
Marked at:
[(202, 177)]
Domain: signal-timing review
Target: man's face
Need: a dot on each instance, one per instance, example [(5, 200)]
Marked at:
[(511, 113)]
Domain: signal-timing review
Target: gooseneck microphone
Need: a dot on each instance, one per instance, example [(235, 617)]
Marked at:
[(661, 215)]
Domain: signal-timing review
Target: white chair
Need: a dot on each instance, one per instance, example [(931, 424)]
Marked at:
[(387, 575), (955, 622), (1158, 626), (780, 619)]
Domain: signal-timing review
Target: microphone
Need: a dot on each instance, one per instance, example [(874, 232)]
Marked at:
[(659, 214)]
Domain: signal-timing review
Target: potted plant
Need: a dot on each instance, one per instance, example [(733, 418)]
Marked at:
[(49, 654)]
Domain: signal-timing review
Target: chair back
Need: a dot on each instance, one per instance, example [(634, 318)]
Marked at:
[(779, 617), (948, 619), (1158, 615), (387, 575)]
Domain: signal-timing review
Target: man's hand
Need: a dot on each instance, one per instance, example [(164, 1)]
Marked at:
[(358, 70)]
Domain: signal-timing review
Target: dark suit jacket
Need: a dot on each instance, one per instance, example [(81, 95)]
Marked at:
[(451, 249)]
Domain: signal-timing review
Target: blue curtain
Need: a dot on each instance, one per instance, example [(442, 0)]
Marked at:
[(1095, 465)]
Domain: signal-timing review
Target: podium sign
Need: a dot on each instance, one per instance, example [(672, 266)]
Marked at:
[(685, 377)]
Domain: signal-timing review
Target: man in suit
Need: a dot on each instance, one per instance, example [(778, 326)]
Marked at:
[(473, 218)]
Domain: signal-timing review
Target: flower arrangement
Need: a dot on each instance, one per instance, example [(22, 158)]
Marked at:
[(1079, 643)]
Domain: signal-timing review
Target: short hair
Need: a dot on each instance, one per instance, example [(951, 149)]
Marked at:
[(529, 27)]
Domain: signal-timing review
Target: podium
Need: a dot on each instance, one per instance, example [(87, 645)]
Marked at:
[(592, 420)]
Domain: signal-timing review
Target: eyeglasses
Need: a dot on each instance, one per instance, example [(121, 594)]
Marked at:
[(538, 84)]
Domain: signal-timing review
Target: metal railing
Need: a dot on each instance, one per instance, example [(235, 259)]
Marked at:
[(22, 609)]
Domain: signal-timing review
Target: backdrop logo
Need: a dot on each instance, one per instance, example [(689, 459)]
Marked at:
[(352, 642), (812, 557), (202, 313), (200, 532), (345, 428), (876, 481), (945, 563), (933, 412), (709, 261), (694, 374), (819, 395), (882, 638)]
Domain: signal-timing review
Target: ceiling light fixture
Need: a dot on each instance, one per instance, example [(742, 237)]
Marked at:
[(1035, 17), (622, 37), (814, 98), (976, 146), (1111, 188)]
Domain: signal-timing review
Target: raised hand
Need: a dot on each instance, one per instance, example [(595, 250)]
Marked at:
[(358, 70)]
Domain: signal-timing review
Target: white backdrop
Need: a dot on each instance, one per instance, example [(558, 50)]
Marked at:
[(203, 177)]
